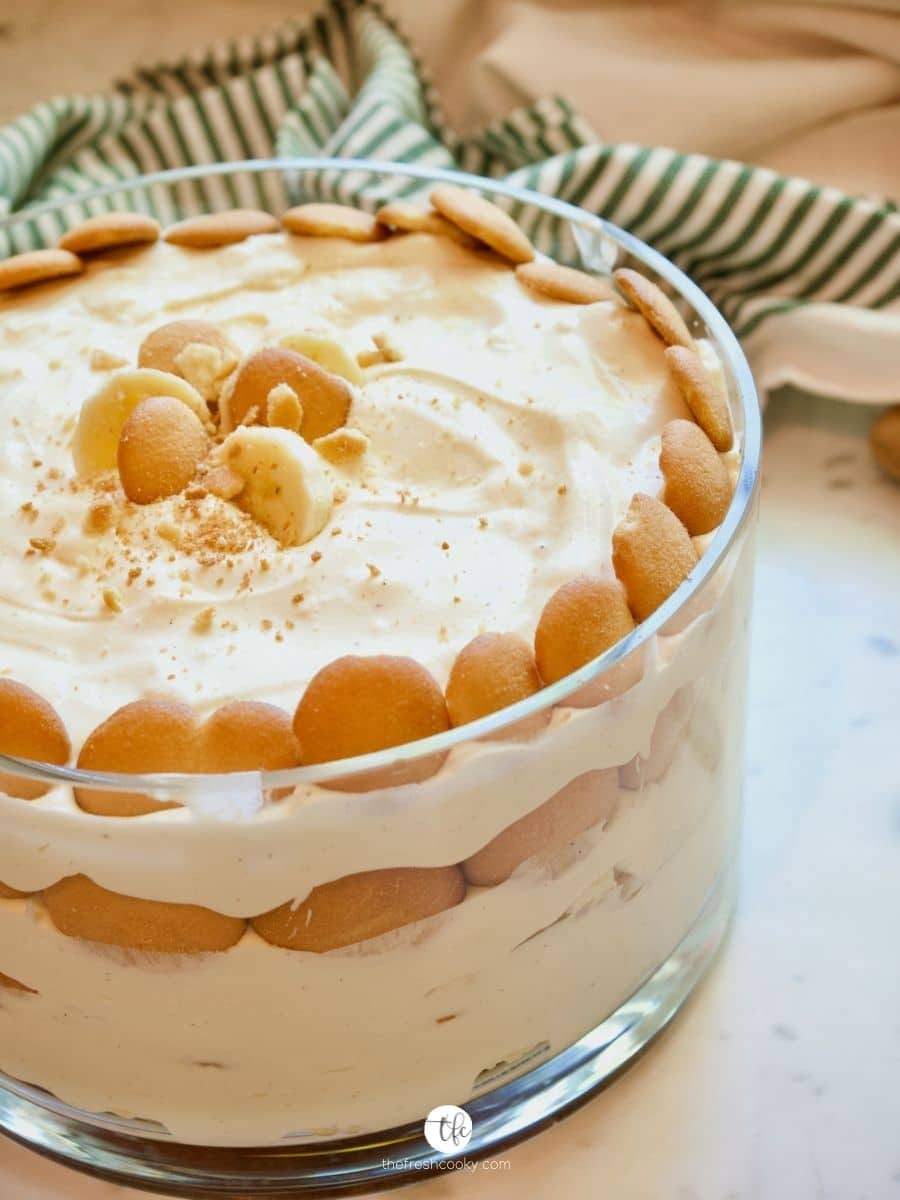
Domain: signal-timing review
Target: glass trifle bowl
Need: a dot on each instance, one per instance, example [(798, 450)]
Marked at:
[(220, 980)]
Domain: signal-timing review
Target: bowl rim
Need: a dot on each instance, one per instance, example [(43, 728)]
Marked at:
[(739, 378)]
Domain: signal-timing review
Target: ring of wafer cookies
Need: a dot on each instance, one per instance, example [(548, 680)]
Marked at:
[(109, 231), (38, 266), (333, 220), (652, 554), (483, 221), (556, 282), (221, 228), (581, 620), (80, 908), (703, 396), (490, 673), (403, 216), (654, 306), (246, 735), (358, 907), (144, 737), (324, 398), (358, 705), (542, 834), (30, 728), (163, 736), (697, 484)]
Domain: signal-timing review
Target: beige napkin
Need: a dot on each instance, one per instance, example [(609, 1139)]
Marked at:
[(807, 89)]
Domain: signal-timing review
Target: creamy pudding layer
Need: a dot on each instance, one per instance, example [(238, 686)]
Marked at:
[(505, 446)]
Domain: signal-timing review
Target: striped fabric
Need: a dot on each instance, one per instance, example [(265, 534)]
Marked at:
[(348, 85)]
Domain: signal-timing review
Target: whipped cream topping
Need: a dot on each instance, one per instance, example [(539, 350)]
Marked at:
[(505, 445)]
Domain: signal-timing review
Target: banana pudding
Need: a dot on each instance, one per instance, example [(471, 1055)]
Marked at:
[(291, 494)]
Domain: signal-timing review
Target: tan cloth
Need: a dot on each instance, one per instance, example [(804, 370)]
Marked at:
[(809, 89)]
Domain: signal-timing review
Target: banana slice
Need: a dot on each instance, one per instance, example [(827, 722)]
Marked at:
[(329, 354), (96, 441), (285, 486)]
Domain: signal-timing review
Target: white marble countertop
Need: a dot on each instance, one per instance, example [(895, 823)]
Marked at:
[(779, 1079)]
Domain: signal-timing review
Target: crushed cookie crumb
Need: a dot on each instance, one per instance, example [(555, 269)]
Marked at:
[(389, 350), (112, 599), (298, 599), (373, 570), (43, 545), (133, 574), (283, 408), (99, 517), (315, 556), (103, 360), (203, 621), (561, 490), (169, 532), (342, 445), (221, 481)]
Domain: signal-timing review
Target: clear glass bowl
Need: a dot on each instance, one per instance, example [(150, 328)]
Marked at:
[(277, 1072)]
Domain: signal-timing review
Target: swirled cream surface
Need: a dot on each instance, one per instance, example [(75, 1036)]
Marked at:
[(505, 444)]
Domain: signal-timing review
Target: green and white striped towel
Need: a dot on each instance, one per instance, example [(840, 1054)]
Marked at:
[(808, 276)]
